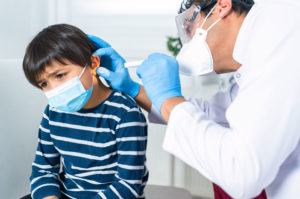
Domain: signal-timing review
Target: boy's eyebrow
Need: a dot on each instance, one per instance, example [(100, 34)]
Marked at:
[(49, 75)]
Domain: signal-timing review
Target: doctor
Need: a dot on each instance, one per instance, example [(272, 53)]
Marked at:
[(244, 140)]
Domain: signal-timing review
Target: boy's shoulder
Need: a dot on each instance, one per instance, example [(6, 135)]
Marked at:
[(121, 98), (120, 102), (124, 107)]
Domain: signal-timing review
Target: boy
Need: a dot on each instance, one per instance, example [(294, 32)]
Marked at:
[(92, 140)]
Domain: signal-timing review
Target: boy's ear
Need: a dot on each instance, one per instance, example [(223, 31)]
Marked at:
[(95, 63)]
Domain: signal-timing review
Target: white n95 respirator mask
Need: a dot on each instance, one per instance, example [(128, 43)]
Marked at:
[(195, 58)]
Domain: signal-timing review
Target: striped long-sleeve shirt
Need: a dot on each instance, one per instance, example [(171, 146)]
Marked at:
[(93, 153)]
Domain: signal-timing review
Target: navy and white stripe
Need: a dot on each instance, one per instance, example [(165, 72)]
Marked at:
[(101, 152)]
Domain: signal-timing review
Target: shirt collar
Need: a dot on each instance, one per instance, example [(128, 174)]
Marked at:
[(239, 75), (240, 47)]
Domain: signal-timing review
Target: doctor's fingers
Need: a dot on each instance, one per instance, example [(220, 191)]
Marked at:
[(98, 42), (157, 62), (108, 52), (152, 63), (155, 56), (105, 73), (147, 68), (116, 61)]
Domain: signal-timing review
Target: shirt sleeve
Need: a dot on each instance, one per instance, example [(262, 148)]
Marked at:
[(214, 108), (132, 174), (263, 131), (45, 168)]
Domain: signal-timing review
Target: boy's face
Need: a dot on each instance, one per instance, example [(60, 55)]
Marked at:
[(56, 74)]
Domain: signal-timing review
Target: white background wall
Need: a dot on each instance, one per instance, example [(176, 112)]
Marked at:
[(135, 28)]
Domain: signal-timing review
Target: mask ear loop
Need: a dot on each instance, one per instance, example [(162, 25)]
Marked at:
[(82, 74), (82, 71), (212, 25)]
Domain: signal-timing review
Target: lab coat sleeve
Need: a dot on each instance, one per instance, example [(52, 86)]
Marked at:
[(242, 160), (214, 108), (245, 157)]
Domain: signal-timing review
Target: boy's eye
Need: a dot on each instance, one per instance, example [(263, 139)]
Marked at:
[(59, 76), (44, 84)]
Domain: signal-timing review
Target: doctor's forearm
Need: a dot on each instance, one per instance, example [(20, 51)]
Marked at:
[(142, 99), (169, 105)]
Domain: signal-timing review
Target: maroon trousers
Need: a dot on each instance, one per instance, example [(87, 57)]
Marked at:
[(220, 194)]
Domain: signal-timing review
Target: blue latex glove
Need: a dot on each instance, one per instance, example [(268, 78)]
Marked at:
[(112, 68), (160, 77)]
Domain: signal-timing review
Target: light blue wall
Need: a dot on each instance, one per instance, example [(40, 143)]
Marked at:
[(20, 20), (20, 103), (21, 108)]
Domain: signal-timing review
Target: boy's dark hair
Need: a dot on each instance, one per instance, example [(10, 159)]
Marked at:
[(61, 43), (238, 6)]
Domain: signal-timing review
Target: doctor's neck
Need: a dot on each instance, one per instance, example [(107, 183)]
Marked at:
[(222, 42)]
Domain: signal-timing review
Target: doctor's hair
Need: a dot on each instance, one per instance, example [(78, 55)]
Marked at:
[(62, 43), (238, 6)]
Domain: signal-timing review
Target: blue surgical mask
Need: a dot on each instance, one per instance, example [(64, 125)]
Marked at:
[(70, 96)]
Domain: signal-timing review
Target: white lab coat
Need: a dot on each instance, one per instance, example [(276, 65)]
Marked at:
[(247, 139)]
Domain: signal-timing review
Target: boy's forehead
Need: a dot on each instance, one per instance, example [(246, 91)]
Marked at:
[(54, 67)]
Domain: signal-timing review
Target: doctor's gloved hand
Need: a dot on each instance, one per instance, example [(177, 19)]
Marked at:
[(112, 68), (160, 76)]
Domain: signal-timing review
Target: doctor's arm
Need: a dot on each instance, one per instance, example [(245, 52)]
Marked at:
[(143, 100), (112, 69), (244, 158), (165, 91)]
